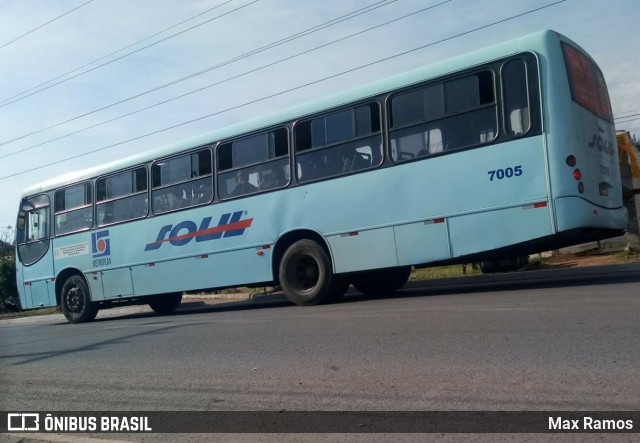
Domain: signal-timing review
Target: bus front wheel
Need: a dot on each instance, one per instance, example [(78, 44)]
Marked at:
[(382, 281), (75, 301), (166, 303), (306, 276)]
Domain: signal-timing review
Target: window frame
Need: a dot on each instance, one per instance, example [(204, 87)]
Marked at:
[(248, 166), (211, 148), (30, 252), (378, 100), (87, 185), (121, 197), (503, 96), (496, 104)]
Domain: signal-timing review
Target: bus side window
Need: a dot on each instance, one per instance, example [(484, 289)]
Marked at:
[(516, 98), (272, 176), (73, 209), (357, 158), (121, 197), (518, 121), (338, 142), (182, 181), (449, 115), (250, 164), (418, 142)]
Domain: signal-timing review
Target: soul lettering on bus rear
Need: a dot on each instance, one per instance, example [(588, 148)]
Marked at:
[(230, 225), (602, 145)]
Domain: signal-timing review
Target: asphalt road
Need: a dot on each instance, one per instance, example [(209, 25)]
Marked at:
[(555, 346)]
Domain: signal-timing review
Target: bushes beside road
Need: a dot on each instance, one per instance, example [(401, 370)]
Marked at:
[(8, 289)]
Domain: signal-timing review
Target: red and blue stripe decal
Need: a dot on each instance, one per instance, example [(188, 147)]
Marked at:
[(230, 225)]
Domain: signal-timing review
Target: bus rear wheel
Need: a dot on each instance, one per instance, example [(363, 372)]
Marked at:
[(504, 265), (166, 303), (339, 287), (75, 301), (382, 281), (306, 276)]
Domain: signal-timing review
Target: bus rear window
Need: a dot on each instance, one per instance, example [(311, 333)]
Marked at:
[(588, 87)]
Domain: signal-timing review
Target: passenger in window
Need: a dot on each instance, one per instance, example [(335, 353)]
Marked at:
[(174, 201), (278, 176), (267, 180), (306, 168), (331, 163), (348, 160), (202, 194), (272, 178), (243, 186)]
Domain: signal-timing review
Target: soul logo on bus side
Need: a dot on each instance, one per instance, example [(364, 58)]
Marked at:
[(229, 225)]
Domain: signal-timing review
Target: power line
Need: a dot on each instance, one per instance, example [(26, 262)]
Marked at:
[(9, 101), (44, 24), (625, 112), (20, 151), (267, 97), (627, 121), (282, 41), (119, 50), (627, 116)]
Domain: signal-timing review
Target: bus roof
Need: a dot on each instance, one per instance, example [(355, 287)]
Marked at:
[(533, 42)]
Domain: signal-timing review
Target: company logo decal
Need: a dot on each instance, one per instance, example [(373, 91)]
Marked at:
[(602, 145), (101, 248), (229, 225), (100, 244)]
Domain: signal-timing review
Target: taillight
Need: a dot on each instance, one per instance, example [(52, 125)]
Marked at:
[(571, 161), (577, 174)]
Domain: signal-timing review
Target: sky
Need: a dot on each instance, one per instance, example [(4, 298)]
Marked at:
[(103, 53)]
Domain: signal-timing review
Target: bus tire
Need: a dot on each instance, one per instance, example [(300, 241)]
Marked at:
[(504, 265), (381, 282), (75, 301), (305, 274), (340, 284), (166, 303), (489, 267)]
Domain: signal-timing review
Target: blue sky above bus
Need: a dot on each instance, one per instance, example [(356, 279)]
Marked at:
[(100, 28)]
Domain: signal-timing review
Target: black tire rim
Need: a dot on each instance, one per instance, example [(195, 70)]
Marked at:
[(74, 299), (305, 273)]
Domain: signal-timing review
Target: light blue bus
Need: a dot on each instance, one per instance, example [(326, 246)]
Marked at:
[(502, 152)]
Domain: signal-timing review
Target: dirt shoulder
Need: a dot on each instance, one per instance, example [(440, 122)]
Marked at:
[(589, 258)]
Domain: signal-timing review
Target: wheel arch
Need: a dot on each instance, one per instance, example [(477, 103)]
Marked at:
[(290, 237), (62, 277)]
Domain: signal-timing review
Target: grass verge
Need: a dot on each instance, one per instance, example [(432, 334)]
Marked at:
[(443, 272), (30, 313)]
